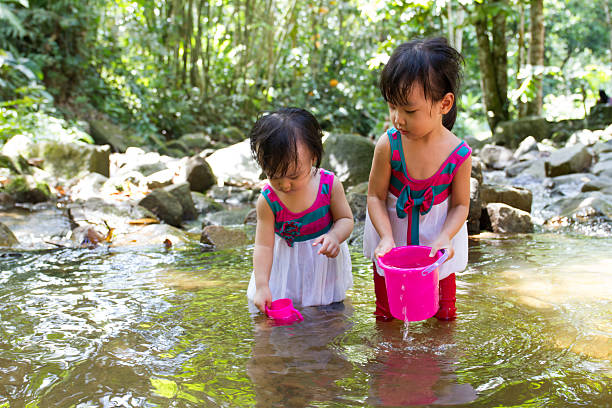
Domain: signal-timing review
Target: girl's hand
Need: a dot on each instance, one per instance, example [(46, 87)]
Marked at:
[(330, 246), (384, 246), (262, 298), (442, 242)]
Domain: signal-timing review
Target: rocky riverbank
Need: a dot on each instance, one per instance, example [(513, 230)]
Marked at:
[(73, 194)]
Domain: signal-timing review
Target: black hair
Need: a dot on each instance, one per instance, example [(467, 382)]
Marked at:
[(275, 135), (431, 62)]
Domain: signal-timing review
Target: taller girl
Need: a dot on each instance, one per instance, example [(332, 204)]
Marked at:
[(419, 188)]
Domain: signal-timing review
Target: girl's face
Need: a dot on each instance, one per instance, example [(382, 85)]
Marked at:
[(419, 117), (296, 177)]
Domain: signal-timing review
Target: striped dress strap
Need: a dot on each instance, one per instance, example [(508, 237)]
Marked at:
[(308, 224), (417, 197)]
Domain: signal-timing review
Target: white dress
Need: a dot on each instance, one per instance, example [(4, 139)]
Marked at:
[(430, 226), (423, 200), (298, 272)]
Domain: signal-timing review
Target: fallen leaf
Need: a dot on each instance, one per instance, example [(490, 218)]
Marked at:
[(144, 221)]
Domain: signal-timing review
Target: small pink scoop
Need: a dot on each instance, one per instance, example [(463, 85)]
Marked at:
[(282, 309)]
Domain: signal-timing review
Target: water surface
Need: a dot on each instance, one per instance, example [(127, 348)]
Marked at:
[(154, 328)]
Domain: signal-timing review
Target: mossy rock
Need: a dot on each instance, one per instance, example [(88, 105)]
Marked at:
[(24, 189)]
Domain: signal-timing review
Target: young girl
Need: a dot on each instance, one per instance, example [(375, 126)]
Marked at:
[(419, 187), (303, 218)]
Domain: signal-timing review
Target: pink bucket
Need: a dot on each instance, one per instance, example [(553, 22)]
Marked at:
[(282, 309), (411, 277)]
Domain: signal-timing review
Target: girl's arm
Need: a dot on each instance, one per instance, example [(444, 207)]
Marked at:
[(458, 210), (343, 222), (263, 254), (378, 189)]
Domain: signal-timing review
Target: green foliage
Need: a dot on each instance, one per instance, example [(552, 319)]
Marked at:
[(173, 67)]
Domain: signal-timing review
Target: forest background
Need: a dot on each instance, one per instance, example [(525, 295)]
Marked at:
[(162, 69)]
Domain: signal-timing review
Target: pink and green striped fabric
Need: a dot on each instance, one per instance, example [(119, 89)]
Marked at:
[(417, 197), (308, 224)]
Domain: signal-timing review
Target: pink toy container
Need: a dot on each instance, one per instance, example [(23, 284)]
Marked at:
[(411, 277), (282, 309)]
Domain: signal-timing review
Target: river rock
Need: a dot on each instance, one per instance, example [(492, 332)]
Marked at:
[(506, 219), (603, 168), (7, 238), (235, 165), (529, 144), (569, 184), (165, 206), (219, 237), (473, 220), (603, 147), (572, 159), (105, 132), (160, 179), (517, 197), (349, 156), (585, 137), (196, 142), (137, 160), (358, 203), (602, 183), (583, 206), (182, 193), (496, 157), (26, 189), (251, 217), (477, 167), (88, 186), (61, 159), (199, 174), (6, 201), (510, 133), (204, 204)]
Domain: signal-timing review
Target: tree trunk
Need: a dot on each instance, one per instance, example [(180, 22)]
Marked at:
[(493, 64), (606, 7), (536, 55), (520, 61)]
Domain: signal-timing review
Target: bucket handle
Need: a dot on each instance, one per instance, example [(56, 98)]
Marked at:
[(434, 265)]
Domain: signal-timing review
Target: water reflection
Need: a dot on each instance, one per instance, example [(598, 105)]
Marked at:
[(418, 370), (293, 366)]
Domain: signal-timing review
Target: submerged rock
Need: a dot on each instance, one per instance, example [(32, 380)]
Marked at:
[(7, 238), (219, 237)]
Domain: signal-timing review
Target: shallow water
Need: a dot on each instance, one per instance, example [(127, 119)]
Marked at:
[(150, 328)]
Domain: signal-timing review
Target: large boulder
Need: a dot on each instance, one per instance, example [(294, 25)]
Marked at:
[(106, 132), (571, 159), (510, 133), (517, 197), (62, 159), (165, 206), (235, 164), (199, 174), (506, 219), (7, 238), (349, 156)]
